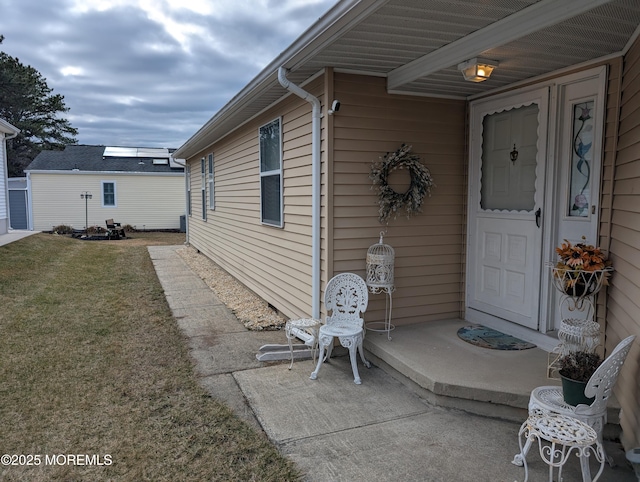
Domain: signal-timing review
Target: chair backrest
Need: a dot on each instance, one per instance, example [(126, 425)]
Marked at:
[(346, 296), (109, 223), (601, 383)]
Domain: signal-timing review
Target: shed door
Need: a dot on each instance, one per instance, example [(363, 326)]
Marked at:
[(507, 179), (18, 209)]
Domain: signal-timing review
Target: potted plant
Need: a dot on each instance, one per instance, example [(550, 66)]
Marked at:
[(581, 270), (575, 369)]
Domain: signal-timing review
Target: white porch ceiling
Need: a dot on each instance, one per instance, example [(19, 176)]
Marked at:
[(417, 44)]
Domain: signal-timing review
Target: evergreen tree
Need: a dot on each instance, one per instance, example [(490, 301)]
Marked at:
[(27, 102)]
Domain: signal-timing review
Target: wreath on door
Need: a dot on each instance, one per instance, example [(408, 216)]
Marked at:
[(391, 203)]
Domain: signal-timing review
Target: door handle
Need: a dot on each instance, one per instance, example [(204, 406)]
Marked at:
[(538, 215)]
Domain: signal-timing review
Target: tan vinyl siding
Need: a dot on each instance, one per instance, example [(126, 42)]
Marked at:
[(273, 262), (623, 305), (612, 107), (144, 201), (429, 247)]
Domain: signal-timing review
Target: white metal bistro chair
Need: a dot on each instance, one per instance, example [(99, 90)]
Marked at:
[(557, 437), (549, 400), (346, 296)]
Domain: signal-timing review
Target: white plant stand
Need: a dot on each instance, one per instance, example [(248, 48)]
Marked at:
[(578, 329), (380, 279), (386, 325)]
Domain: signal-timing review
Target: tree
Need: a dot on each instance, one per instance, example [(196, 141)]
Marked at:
[(27, 102)]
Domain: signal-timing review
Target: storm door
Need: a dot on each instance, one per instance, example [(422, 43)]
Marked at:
[(505, 230)]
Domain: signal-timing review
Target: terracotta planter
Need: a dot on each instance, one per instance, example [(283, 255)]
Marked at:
[(573, 391)]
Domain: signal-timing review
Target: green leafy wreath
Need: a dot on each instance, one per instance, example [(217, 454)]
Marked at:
[(392, 202)]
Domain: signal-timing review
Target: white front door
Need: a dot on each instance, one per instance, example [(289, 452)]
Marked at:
[(506, 202), (520, 210)]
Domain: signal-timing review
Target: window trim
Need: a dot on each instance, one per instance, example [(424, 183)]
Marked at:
[(275, 172), (188, 174), (211, 182), (203, 187), (115, 194)]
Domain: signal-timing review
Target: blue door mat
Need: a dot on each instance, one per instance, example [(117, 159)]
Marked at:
[(489, 338)]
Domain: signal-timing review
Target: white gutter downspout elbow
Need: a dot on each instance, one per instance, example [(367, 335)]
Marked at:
[(315, 187)]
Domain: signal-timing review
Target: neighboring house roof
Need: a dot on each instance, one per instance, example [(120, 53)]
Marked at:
[(106, 159), (417, 46)]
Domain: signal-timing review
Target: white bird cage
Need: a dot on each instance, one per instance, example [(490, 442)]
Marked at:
[(380, 264)]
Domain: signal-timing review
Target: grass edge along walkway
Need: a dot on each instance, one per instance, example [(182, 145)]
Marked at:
[(93, 364)]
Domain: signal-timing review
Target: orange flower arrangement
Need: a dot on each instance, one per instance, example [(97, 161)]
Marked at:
[(578, 265), (581, 256)]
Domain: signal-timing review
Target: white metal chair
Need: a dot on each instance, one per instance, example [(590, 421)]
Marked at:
[(346, 296), (549, 399)]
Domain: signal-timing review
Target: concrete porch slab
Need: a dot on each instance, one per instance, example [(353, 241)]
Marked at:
[(447, 371)]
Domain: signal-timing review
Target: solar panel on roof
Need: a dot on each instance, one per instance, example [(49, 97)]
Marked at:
[(153, 152), (120, 152), (150, 152)]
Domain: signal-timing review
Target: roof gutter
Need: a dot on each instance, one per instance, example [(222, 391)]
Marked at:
[(10, 131), (315, 186)]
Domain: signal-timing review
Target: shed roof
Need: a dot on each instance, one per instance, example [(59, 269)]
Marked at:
[(93, 158)]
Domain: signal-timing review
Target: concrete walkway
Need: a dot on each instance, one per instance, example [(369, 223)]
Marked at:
[(14, 235), (331, 428)]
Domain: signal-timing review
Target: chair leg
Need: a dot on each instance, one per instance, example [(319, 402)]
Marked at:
[(364, 360), (520, 459), (329, 351), (354, 363), (606, 456), (322, 343), (289, 337), (584, 467), (602, 459)]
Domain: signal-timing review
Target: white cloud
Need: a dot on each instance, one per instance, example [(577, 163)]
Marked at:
[(150, 72), (71, 70)]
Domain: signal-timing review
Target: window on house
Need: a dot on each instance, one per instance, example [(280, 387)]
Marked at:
[(188, 182), (203, 182), (271, 173), (108, 194), (212, 204)]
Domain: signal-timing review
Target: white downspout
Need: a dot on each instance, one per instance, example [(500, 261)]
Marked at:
[(315, 186), (4, 155), (186, 201)]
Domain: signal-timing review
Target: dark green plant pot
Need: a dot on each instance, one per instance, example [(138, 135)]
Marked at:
[(573, 392)]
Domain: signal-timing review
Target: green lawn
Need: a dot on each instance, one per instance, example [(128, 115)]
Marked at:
[(92, 363)]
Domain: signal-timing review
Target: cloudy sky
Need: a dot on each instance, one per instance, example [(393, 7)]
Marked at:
[(149, 73)]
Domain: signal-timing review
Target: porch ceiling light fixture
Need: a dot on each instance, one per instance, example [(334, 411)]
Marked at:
[(477, 69)]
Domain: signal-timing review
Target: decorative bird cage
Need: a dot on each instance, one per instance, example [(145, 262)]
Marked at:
[(380, 264)]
